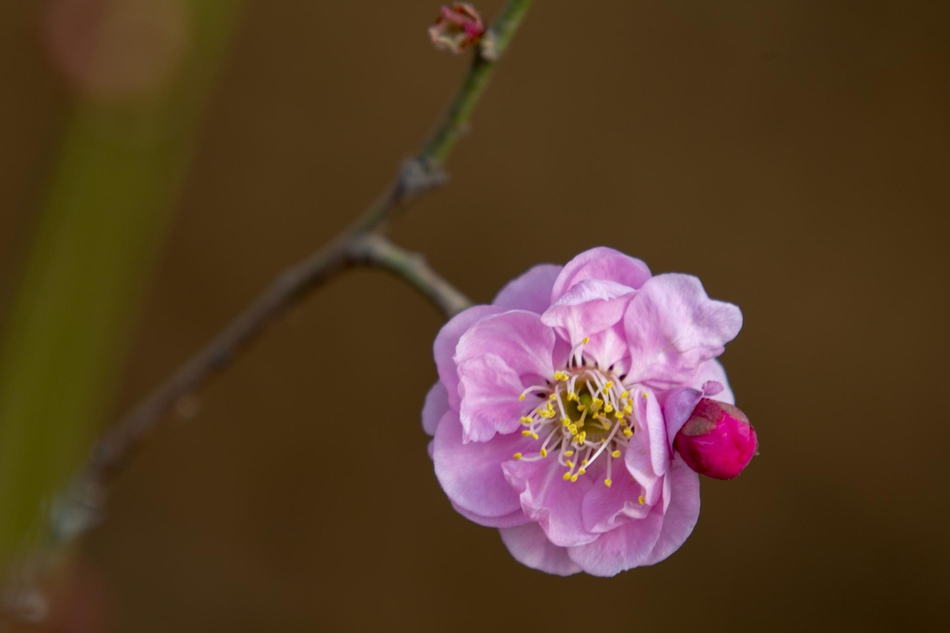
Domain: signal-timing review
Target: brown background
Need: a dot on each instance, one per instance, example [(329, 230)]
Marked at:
[(794, 155)]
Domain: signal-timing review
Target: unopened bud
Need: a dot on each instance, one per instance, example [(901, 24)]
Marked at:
[(457, 28), (717, 440)]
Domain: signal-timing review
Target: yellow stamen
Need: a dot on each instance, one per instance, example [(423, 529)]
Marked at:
[(521, 397), (642, 500), (544, 452), (517, 455), (573, 477), (607, 482), (567, 476)]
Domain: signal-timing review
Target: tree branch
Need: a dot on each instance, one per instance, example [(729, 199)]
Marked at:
[(416, 176), (362, 243), (375, 250)]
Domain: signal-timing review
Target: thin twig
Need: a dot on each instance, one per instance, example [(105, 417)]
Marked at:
[(418, 175), (361, 243), (376, 250)]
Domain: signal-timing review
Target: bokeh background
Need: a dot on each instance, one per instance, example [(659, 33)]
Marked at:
[(793, 154)]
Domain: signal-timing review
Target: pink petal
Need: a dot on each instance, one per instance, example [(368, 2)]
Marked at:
[(681, 514), (471, 474), (530, 547), (514, 519), (531, 291), (437, 403), (626, 547), (518, 337), (491, 402), (587, 308), (650, 413), (642, 456), (446, 342), (498, 358), (600, 263), (554, 503), (593, 309), (673, 327), (605, 508), (712, 370)]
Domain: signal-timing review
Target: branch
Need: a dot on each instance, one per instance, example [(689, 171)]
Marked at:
[(361, 243), (376, 250), (415, 177)]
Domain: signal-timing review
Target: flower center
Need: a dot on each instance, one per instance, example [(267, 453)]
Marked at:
[(586, 414)]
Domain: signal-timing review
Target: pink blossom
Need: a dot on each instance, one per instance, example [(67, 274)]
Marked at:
[(556, 408), (717, 440), (457, 28)]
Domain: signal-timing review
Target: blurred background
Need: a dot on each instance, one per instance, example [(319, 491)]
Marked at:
[(171, 156)]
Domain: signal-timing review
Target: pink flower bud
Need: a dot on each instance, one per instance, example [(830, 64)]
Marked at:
[(457, 28), (717, 440)]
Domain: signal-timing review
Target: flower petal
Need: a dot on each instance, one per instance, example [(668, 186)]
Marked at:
[(605, 508), (491, 402), (531, 291), (681, 514), (530, 547), (437, 403), (713, 371), (518, 337), (446, 342), (673, 327), (471, 474), (645, 452), (554, 503), (601, 263), (514, 519), (625, 547), (589, 307), (498, 358), (650, 413)]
